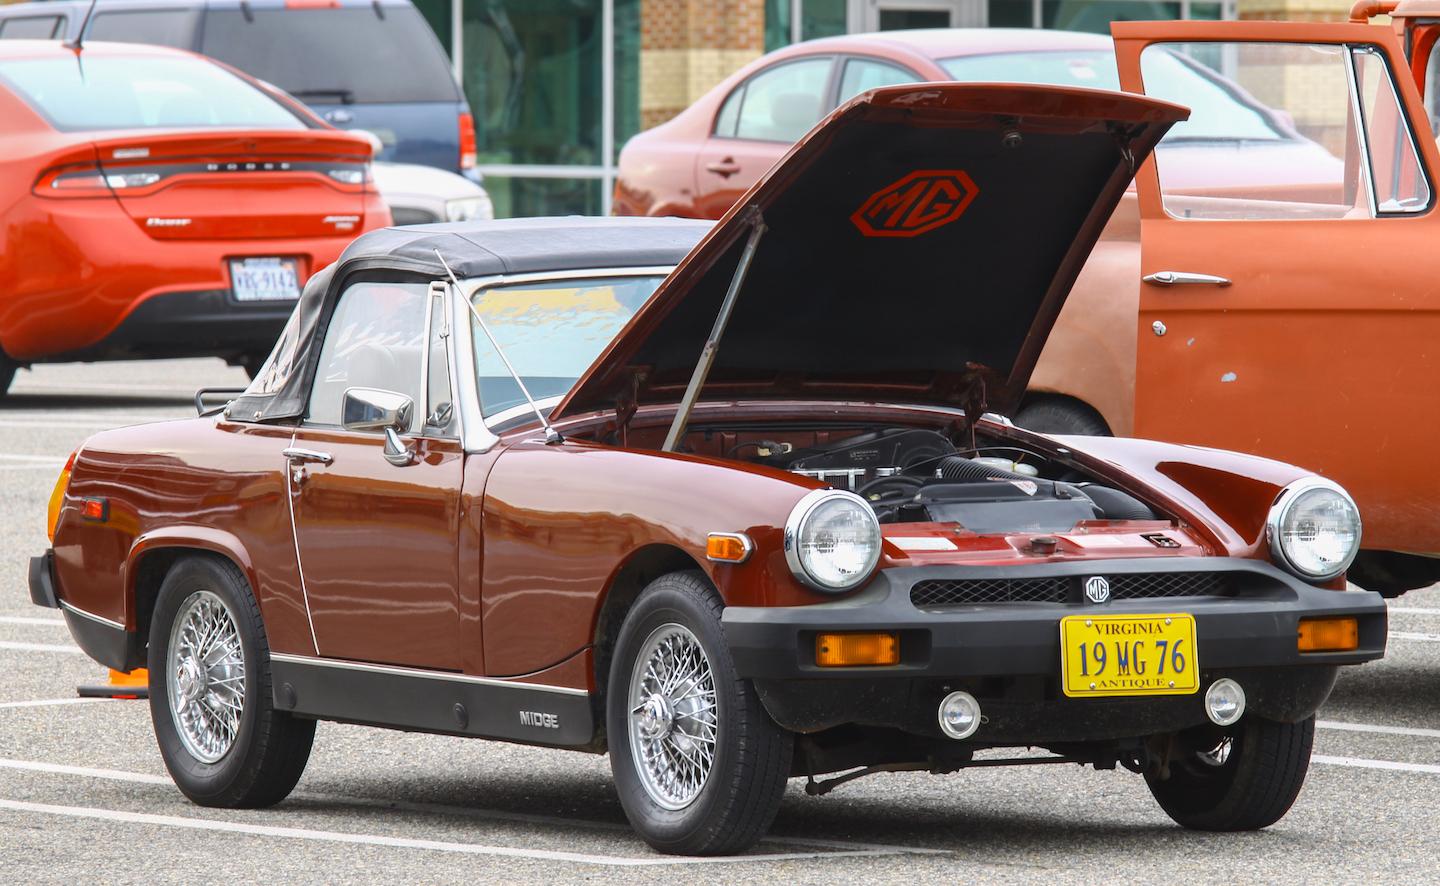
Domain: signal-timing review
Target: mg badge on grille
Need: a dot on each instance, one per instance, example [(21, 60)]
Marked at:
[(1097, 589)]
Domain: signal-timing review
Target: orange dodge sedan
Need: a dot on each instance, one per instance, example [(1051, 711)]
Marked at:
[(1265, 287), (155, 203)]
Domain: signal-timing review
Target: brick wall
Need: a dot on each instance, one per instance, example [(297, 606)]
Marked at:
[(687, 46)]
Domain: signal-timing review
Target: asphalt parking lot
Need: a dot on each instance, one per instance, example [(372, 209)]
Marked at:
[(84, 796)]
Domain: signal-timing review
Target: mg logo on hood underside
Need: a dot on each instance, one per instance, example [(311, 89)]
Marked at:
[(916, 204)]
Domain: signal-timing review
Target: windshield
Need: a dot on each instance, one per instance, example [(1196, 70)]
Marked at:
[(551, 331), (1219, 109), (136, 92), (335, 56)]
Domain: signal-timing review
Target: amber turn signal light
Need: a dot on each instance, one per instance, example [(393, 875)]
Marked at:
[(856, 650), (57, 497), (728, 547), (1329, 634)]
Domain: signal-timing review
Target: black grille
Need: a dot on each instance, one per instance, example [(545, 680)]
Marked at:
[(989, 590), (1171, 584), (1133, 586)]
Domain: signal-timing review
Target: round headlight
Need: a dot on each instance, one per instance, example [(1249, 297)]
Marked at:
[(832, 540), (1314, 529)]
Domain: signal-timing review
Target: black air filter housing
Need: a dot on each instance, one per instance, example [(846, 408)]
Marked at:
[(1004, 505)]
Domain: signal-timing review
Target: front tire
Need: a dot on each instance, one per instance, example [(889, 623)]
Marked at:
[(699, 765), (219, 734), (1244, 781), (1049, 414)]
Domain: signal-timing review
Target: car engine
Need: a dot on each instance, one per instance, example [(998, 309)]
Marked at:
[(914, 475)]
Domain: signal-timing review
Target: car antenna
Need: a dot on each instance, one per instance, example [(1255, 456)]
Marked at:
[(79, 42), (551, 435)]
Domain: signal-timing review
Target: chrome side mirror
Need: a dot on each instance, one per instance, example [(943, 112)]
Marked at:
[(371, 409)]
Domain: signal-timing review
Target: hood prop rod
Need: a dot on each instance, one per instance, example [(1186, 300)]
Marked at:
[(712, 344), (552, 436)]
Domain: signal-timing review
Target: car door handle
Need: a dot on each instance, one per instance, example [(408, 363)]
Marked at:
[(1179, 278), (302, 456), (725, 168)]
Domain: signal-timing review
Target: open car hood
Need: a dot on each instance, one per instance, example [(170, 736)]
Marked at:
[(918, 246)]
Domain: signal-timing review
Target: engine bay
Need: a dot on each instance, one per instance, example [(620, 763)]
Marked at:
[(911, 475)]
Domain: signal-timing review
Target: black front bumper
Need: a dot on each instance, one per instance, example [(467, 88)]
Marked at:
[(207, 323), (1008, 655)]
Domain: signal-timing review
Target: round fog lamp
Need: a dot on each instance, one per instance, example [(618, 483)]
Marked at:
[(1224, 702), (959, 715)]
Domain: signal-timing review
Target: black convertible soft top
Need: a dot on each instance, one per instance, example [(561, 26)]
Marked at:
[(472, 249)]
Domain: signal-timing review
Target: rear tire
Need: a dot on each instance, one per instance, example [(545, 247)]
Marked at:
[(664, 721), (1252, 787), (1061, 415), (7, 374), (223, 742)]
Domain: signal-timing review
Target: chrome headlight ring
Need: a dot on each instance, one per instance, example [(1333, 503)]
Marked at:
[(1290, 497), (798, 524)]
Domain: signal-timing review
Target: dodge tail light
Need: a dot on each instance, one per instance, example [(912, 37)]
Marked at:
[(90, 181), (467, 141)]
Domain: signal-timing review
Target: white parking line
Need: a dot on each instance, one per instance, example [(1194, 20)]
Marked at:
[(1387, 765), (447, 809), (40, 647), (51, 702), (1381, 730), (30, 620), (210, 824), (1412, 610), (1414, 635)]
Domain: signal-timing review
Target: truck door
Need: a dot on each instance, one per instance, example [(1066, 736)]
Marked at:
[(1288, 303)]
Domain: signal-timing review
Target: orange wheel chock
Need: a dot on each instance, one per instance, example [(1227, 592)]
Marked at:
[(122, 684)]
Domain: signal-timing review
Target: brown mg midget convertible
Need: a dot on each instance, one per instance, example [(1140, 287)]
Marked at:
[(737, 505)]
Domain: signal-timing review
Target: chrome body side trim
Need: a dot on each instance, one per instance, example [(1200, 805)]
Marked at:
[(290, 491), (98, 619), (401, 671)]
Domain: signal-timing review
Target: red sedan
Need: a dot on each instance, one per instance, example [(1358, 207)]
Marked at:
[(699, 163), (155, 203)]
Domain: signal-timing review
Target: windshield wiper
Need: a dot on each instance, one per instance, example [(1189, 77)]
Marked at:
[(346, 96)]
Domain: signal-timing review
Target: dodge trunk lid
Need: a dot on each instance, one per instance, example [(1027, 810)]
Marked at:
[(918, 245), (239, 186)]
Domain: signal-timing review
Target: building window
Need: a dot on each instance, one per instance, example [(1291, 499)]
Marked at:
[(554, 89)]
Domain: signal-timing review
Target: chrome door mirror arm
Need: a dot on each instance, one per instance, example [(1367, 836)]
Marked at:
[(396, 452)]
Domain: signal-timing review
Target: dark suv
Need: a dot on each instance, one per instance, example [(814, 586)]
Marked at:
[(357, 63)]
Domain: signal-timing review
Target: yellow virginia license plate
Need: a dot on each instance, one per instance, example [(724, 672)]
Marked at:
[(1104, 655)]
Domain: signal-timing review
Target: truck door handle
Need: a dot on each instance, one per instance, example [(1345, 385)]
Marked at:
[(1178, 278), (725, 168), (301, 456)]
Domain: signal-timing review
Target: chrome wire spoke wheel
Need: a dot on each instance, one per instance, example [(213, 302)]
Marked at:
[(673, 719), (1219, 755), (205, 675)]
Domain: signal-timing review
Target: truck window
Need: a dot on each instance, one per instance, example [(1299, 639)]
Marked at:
[(162, 27), (31, 27), (1273, 132), (343, 55)]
